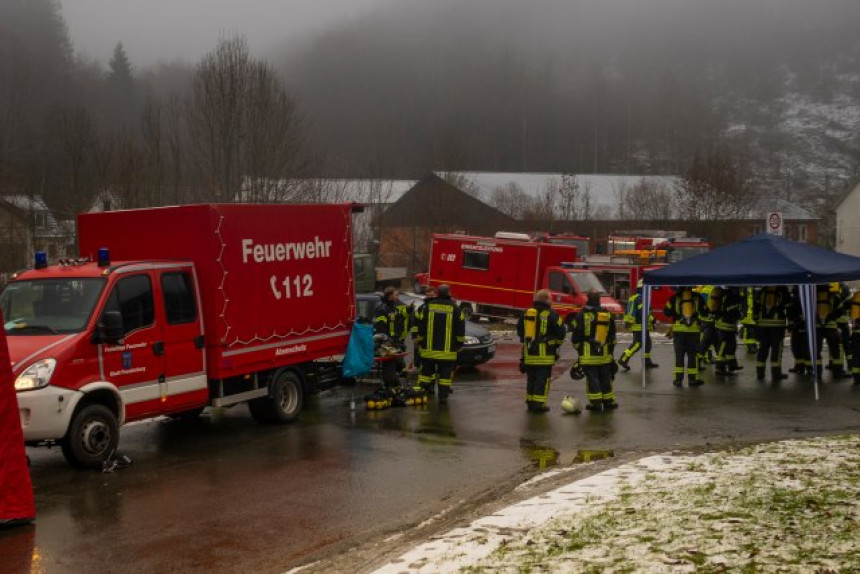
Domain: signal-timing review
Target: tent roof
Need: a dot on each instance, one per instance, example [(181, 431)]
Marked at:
[(764, 259)]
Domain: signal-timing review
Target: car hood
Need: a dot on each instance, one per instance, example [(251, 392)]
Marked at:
[(24, 348)]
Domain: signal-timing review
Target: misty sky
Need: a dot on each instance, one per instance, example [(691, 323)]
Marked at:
[(153, 30)]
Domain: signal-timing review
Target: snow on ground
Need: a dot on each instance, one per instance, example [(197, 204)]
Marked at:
[(791, 506)]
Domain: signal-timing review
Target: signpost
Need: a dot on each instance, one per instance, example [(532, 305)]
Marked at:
[(773, 223)]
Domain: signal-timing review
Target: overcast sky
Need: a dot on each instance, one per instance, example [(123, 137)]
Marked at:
[(153, 30)]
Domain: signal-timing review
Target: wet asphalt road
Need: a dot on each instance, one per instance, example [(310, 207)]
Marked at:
[(223, 494)]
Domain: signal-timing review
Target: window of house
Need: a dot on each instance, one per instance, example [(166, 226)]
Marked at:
[(476, 260), (178, 292), (132, 297)]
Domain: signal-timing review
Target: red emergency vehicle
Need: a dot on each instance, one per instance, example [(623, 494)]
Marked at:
[(180, 308), (620, 275), (497, 276)]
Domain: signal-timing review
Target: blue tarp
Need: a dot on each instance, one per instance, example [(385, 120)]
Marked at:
[(764, 259), (358, 360)]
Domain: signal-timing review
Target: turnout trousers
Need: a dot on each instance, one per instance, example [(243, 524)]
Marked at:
[(686, 346), (598, 378), (770, 343), (436, 371), (537, 384)]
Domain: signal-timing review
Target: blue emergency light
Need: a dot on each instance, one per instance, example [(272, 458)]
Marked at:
[(41, 260), (104, 257)]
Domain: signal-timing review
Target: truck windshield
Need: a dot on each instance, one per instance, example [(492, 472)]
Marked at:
[(49, 306), (585, 281), (675, 254)]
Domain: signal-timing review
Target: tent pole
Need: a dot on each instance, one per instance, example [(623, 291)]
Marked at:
[(808, 305), (646, 311)]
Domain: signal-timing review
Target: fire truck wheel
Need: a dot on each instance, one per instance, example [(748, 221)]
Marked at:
[(283, 403), (92, 437)]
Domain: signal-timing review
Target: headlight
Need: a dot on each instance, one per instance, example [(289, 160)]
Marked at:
[(36, 376), (471, 341)]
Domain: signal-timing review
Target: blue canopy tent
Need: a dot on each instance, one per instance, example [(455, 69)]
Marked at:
[(763, 259)]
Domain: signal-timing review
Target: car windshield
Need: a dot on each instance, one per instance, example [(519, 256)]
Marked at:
[(49, 306), (586, 281)]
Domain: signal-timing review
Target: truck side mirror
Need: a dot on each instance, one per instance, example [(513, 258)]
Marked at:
[(110, 327)]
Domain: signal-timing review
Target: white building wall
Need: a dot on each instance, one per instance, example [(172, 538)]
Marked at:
[(848, 223)]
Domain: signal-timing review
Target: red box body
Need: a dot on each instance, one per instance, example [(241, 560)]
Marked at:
[(514, 269), (275, 281)]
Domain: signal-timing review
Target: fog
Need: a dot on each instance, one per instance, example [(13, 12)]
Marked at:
[(169, 30)]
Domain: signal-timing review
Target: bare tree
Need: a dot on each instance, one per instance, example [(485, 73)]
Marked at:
[(715, 187), (248, 136), (569, 195), (649, 200), (511, 200)]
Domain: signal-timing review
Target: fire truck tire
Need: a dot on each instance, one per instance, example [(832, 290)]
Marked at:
[(283, 403), (92, 437)]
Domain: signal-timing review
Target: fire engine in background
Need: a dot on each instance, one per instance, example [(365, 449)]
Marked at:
[(620, 275), (204, 305), (497, 276), (582, 244), (657, 246)]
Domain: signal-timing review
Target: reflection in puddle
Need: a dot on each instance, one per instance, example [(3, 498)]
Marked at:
[(542, 456), (592, 455)]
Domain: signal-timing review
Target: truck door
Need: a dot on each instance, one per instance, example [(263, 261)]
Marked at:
[(182, 342), (562, 291), (134, 365)]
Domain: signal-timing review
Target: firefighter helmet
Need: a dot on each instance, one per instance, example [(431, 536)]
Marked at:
[(570, 405)]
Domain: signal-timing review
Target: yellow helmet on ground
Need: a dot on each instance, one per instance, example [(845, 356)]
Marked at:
[(570, 405)]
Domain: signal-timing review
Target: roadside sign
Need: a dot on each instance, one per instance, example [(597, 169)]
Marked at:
[(773, 222)]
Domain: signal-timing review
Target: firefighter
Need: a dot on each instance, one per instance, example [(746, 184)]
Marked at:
[(708, 339), (541, 332), (748, 330), (593, 337), (391, 318), (726, 325), (799, 342), (684, 308), (770, 312), (854, 343), (441, 331), (633, 320), (843, 323), (828, 308)]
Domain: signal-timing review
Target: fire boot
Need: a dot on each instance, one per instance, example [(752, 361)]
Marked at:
[(694, 381), (734, 366), (444, 391), (622, 362), (679, 380), (609, 404), (776, 374), (721, 368), (596, 406), (649, 364), (759, 373), (798, 369)]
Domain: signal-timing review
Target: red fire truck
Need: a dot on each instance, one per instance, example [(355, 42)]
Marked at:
[(621, 274), (499, 276), (179, 308)]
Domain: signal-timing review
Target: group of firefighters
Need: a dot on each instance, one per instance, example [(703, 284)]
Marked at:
[(704, 331), (438, 330)]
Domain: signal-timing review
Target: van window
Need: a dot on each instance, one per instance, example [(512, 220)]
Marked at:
[(559, 283), (132, 297), (179, 305), (476, 260)]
